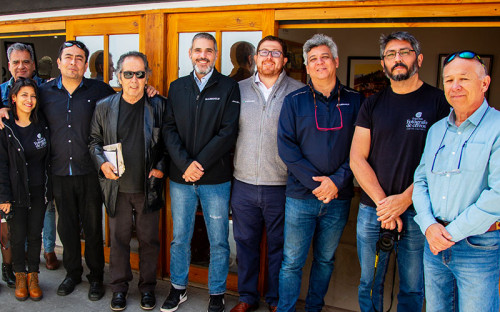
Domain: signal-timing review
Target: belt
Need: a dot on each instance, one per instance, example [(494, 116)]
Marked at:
[(494, 227)]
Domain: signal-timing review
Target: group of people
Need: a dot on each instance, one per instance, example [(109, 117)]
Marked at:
[(296, 150)]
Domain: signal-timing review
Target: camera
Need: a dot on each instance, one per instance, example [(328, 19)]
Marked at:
[(387, 239)]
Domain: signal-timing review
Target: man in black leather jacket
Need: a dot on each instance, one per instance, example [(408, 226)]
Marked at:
[(134, 120)]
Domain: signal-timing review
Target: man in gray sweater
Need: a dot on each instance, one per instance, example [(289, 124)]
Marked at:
[(258, 196)]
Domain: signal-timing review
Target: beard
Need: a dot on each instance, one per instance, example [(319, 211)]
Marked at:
[(403, 76), (267, 72), (205, 71)]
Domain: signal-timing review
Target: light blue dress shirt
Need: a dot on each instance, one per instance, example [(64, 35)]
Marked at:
[(203, 81), (463, 186)]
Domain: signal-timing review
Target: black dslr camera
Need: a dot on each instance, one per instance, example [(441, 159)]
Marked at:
[(387, 239)]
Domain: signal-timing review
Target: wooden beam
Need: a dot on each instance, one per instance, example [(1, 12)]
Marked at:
[(99, 26), (390, 25), (270, 26), (229, 21), (32, 27), (152, 43)]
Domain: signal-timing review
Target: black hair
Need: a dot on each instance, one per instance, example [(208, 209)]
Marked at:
[(14, 90), (274, 38), (78, 44)]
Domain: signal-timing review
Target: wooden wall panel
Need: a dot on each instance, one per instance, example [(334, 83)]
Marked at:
[(152, 37)]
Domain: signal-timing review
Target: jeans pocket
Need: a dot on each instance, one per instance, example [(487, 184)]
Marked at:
[(486, 241)]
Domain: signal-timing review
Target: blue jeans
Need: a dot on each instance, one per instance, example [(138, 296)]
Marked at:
[(214, 199), (306, 221), (49, 228), (465, 276), (255, 207), (410, 263)]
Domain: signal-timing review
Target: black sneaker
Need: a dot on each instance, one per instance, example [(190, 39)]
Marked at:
[(174, 299), (216, 303)]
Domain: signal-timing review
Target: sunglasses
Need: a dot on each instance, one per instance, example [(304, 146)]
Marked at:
[(129, 74), (468, 55), (79, 44)]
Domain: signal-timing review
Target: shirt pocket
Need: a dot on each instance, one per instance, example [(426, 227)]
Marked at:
[(475, 156)]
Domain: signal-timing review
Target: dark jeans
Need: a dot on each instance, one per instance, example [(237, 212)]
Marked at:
[(130, 207), (79, 202), (26, 226), (255, 207)]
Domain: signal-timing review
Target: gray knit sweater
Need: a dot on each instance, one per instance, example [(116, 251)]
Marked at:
[(256, 159)]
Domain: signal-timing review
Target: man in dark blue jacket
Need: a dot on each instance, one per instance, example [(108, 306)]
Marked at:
[(316, 126), (199, 131)]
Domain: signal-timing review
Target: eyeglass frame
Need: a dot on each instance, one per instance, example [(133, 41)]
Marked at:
[(267, 52), (385, 56), (441, 146), (316, 112)]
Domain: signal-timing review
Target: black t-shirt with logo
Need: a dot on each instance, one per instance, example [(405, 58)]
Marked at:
[(34, 144), (398, 126)]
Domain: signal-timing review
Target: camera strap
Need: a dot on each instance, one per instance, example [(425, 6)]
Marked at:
[(377, 257)]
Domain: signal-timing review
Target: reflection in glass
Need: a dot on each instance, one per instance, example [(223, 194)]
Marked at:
[(242, 53), (185, 65), (118, 45), (94, 44), (231, 43), (96, 66)]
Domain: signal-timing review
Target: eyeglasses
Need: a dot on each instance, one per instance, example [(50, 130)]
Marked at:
[(129, 74), (316, 113), (441, 146), (71, 43), (391, 54), (468, 55), (265, 53)]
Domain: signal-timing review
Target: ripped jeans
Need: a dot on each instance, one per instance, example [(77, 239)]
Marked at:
[(214, 199)]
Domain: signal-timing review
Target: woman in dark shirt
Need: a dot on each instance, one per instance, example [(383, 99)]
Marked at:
[(24, 183)]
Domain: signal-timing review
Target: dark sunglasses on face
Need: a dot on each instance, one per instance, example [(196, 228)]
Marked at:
[(265, 53), (468, 55), (79, 44), (129, 74)]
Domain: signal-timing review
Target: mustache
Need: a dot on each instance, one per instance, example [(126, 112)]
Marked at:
[(399, 64), (203, 59)]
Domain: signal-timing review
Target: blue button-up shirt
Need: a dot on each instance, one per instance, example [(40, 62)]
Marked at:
[(5, 88), (201, 83), (458, 179)]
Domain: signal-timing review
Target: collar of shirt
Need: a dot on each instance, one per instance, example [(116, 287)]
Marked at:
[(203, 81), (60, 85), (474, 119), (263, 87)]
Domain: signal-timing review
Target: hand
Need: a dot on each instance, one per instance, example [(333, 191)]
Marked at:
[(438, 238), (109, 171), (393, 224), (327, 189), (4, 113), (151, 91), (155, 173), (392, 207), (5, 207), (194, 172)]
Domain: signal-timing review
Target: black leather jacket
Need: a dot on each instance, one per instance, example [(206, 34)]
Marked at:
[(103, 131), (14, 186)]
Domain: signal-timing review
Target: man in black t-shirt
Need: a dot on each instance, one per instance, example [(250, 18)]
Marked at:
[(136, 194), (387, 145)]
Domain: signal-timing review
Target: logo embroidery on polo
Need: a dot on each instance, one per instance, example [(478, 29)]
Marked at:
[(212, 99), (416, 122)]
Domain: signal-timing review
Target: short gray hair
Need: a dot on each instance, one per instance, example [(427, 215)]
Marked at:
[(401, 36), (204, 35), (320, 40), (119, 65), (18, 46)]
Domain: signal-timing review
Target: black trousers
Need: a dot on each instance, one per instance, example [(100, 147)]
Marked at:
[(26, 226), (79, 202), (130, 207)]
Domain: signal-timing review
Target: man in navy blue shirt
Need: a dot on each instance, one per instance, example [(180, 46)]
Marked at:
[(316, 126)]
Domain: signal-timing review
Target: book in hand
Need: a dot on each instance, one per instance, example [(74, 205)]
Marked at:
[(113, 153)]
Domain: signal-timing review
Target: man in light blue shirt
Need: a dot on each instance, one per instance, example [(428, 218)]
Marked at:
[(457, 193)]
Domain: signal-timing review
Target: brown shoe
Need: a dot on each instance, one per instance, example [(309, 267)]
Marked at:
[(51, 262), (244, 307), (273, 308), (21, 289), (35, 291)]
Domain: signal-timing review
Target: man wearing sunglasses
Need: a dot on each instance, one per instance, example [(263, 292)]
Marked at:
[(200, 131), (386, 148), (315, 129), (258, 195), (456, 194), (134, 120)]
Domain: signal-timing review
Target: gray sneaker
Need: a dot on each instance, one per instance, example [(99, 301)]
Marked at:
[(174, 299), (216, 303)]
